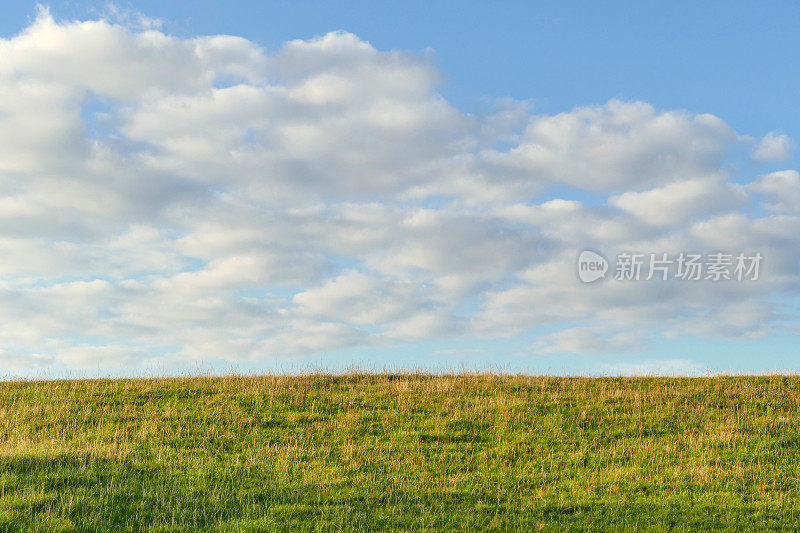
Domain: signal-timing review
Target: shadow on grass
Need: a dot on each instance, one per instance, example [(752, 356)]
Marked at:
[(78, 492), (86, 493)]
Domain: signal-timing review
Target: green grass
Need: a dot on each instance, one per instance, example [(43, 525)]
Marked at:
[(401, 452)]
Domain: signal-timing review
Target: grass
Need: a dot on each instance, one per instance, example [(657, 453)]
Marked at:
[(401, 452)]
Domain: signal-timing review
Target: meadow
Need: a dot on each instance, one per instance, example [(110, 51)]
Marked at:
[(409, 452)]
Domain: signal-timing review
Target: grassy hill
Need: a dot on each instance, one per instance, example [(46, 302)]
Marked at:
[(409, 452)]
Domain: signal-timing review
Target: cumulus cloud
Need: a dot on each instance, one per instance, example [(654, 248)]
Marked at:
[(168, 200), (681, 201), (780, 189), (773, 147), (618, 146)]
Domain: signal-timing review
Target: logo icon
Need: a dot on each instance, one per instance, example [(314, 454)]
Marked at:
[(591, 266)]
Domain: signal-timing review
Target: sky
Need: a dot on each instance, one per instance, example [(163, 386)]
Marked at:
[(280, 186)]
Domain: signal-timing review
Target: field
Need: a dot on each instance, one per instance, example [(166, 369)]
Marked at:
[(401, 452)]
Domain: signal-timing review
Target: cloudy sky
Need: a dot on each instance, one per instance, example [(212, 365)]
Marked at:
[(265, 187)]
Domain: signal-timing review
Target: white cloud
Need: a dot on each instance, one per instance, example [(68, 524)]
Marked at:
[(169, 200), (781, 189), (657, 367), (773, 147), (681, 201), (617, 146), (359, 299), (111, 60), (587, 340)]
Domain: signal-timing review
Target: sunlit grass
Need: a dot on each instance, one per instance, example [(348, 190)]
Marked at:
[(410, 452)]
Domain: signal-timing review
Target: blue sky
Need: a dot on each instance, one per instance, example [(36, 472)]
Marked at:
[(733, 59), (511, 136)]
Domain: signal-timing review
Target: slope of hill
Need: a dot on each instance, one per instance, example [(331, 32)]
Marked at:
[(409, 452)]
